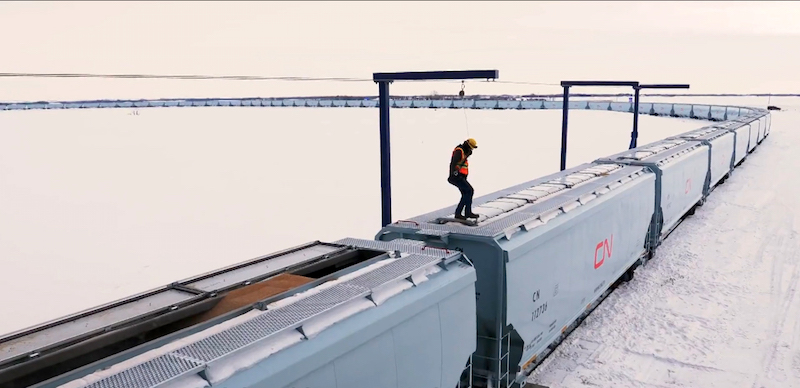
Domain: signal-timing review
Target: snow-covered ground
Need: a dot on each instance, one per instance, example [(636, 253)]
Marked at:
[(96, 205), (719, 306)]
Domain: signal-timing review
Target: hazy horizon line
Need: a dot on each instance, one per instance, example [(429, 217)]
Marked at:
[(430, 96)]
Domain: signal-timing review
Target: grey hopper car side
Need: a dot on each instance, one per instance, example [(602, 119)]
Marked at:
[(543, 263), (721, 143), (682, 175), (755, 127)]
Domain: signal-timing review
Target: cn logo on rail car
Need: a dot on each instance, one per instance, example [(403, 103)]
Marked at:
[(539, 310), (603, 251)]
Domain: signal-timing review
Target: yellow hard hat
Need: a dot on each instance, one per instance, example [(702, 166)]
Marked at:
[(472, 143)]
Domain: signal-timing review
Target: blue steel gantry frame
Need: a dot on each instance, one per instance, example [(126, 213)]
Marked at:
[(565, 108), (636, 87), (635, 132), (383, 80)]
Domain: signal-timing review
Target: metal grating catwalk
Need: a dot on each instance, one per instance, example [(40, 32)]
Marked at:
[(271, 322), (404, 245), (194, 357), (152, 373)]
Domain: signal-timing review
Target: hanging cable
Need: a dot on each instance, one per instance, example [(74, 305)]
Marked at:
[(228, 77), (461, 95), (466, 122), (527, 83)]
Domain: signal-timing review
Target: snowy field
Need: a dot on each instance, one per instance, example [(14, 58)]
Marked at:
[(98, 204), (720, 304)]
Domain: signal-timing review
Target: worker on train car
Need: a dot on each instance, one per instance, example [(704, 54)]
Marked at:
[(459, 170)]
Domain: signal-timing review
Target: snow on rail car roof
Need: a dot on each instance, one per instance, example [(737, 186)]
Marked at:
[(531, 204), (701, 132), (280, 323), (710, 132), (658, 153)]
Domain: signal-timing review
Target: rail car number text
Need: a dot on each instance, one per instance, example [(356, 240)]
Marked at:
[(599, 286), (539, 311), (603, 251), (535, 296), (534, 342)]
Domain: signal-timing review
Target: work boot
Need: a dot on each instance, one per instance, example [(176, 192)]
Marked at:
[(460, 217), (472, 215)]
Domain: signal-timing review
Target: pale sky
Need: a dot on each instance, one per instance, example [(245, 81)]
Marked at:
[(718, 47)]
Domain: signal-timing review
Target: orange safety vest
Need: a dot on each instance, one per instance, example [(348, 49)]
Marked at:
[(463, 165)]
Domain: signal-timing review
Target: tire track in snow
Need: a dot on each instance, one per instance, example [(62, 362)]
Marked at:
[(774, 237), (775, 365), (779, 361)]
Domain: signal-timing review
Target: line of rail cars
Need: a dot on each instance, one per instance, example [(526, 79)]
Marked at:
[(423, 304), (694, 111), (548, 251)]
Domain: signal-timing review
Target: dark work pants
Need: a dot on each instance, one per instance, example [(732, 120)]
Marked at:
[(466, 193)]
